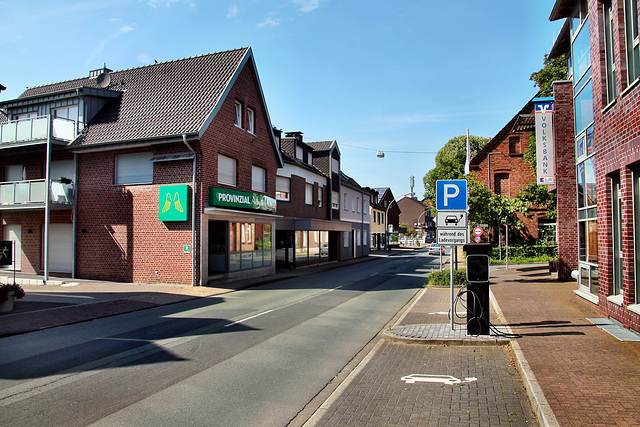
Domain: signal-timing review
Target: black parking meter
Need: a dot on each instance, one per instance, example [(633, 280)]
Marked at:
[(478, 315)]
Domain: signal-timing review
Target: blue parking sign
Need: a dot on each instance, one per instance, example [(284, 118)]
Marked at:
[(451, 195)]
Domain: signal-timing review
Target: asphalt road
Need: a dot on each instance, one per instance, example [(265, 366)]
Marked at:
[(251, 357)]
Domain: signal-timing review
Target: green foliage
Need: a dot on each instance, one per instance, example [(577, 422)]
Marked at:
[(553, 70), (443, 277), (539, 196), (450, 162), (529, 154), (492, 209), (524, 254)]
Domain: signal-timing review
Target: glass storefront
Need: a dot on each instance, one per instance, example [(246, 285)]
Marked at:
[(248, 244)]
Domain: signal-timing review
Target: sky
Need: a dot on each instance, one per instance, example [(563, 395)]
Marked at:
[(402, 76)]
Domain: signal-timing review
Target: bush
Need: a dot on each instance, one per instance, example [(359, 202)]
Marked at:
[(443, 278), (528, 253)]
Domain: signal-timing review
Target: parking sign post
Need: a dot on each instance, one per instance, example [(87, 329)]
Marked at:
[(452, 206)]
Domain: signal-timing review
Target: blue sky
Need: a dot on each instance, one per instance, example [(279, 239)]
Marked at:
[(401, 76)]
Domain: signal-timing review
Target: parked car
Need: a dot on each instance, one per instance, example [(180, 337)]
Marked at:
[(435, 249)]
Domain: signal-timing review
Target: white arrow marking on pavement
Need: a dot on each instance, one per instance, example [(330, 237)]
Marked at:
[(444, 379)]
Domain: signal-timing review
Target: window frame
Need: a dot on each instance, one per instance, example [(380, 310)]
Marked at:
[(632, 41), (251, 120), (137, 178), (258, 179), (235, 170), (237, 118), (283, 194)]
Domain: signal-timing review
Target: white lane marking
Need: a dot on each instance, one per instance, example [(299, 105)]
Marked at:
[(247, 318)]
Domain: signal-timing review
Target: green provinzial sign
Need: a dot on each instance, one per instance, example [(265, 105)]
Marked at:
[(239, 199), (173, 203)]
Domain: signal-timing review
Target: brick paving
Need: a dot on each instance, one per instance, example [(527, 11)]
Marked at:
[(587, 376)]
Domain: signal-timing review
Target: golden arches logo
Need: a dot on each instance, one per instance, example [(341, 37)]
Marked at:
[(176, 203)]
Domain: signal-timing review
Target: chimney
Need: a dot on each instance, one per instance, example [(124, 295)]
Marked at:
[(97, 72), (297, 135)]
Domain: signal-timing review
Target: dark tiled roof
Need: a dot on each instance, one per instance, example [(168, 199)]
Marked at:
[(321, 145), (350, 182), (158, 100), (286, 158)]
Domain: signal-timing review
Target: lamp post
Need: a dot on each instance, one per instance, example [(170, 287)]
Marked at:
[(386, 219)]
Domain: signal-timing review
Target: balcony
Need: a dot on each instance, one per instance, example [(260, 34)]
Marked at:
[(30, 194), (35, 129)]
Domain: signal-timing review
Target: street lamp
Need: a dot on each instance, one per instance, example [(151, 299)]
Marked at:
[(386, 219)]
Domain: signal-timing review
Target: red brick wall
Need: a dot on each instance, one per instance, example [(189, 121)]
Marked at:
[(119, 236), (617, 145), (565, 179), (296, 206)]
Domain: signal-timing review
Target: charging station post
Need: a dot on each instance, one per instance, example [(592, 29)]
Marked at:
[(478, 314)]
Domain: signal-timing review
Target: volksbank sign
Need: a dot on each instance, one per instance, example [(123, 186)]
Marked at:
[(241, 200), (545, 152)]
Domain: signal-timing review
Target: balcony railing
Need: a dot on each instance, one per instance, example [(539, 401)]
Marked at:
[(35, 129), (32, 192)]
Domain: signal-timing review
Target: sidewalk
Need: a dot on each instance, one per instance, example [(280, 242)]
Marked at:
[(563, 368)]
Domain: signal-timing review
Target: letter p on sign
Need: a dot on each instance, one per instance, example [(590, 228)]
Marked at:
[(451, 195)]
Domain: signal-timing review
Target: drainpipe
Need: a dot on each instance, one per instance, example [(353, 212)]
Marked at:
[(75, 215), (193, 213), (47, 213)]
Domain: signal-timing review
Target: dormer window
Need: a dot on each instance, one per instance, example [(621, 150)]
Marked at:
[(299, 153), (70, 112)]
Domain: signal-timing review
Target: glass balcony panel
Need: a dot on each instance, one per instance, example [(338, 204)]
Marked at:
[(39, 128), (24, 130), (9, 132), (37, 191), (6, 193), (63, 129), (22, 192)]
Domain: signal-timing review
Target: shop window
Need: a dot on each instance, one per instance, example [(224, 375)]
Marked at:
[(283, 188), (135, 168), (249, 245), (226, 170), (258, 179)]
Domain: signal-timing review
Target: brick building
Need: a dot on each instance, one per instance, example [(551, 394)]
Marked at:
[(391, 211), (169, 173), (306, 234), (501, 167), (600, 39), (417, 215)]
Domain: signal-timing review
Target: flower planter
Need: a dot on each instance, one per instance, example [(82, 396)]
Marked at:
[(7, 306)]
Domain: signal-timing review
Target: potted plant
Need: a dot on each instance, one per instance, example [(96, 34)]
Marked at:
[(9, 293), (64, 180)]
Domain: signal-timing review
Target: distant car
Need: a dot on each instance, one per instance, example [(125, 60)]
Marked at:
[(435, 249), (324, 249)]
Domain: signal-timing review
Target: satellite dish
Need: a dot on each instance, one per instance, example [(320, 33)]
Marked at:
[(103, 80)]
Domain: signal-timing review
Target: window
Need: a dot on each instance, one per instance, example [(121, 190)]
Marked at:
[(134, 168), (353, 203), (308, 194), (258, 179), (631, 37), (636, 220), (299, 153), (251, 121), (14, 173), (616, 208), (610, 66), (237, 119), (347, 236), (584, 108), (320, 191), (358, 204), (70, 112), (226, 170), (346, 204), (502, 183), (283, 188), (309, 159), (358, 237), (514, 145)]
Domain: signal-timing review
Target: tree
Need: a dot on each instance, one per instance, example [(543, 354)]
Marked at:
[(450, 162), (553, 69)]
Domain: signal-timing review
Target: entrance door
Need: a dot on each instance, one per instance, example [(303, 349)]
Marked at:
[(13, 232), (61, 248)]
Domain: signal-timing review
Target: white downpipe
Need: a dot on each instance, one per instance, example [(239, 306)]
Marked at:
[(47, 213), (193, 213)]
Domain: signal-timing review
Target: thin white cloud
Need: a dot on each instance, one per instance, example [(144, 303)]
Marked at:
[(104, 42), (169, 3), (307, 5), (144, 58), (233, 11), (269, 22)]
